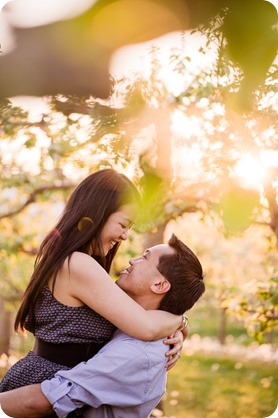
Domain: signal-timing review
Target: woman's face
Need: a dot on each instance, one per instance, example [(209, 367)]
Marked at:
[(116, 228)]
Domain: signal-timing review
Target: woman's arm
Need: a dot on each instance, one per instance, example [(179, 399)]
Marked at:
[(25, 402), (89, 283)]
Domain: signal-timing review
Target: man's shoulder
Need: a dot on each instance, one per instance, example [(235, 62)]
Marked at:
[(122, 336), (151, 347)]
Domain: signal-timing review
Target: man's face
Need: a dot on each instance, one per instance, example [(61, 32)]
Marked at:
[(142, 273)]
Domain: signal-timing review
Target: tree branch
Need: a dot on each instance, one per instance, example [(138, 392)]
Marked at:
[(33, 197)]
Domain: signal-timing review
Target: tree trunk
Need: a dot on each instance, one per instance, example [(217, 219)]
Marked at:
[(151, 239), (273, 209), (270, 337), (222, 326), (5, 328), (163, 134)]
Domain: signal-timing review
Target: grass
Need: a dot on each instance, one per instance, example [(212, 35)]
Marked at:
[(205, 386), (202, 386), (209, 387)]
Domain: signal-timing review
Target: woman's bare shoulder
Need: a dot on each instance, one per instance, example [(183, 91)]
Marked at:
[(81, 261), (77, 255)]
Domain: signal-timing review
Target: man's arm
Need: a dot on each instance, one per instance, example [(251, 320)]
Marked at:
[(119, 375), (122, 374), (25, 402)]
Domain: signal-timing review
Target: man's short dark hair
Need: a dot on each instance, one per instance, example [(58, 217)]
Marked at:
[(184, 272)]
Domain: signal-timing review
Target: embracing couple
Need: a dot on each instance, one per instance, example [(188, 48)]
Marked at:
[(100, 346)]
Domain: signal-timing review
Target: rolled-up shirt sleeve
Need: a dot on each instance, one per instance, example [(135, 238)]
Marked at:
[(57, 392), (120, 375)]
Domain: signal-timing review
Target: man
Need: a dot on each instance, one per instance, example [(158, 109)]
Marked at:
[(127, 378)]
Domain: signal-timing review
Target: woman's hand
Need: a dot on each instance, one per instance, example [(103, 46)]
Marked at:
[(176, 342)]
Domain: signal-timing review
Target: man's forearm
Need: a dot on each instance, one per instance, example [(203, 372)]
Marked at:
[(25, 402)]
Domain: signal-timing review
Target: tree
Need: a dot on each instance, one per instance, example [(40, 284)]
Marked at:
[(72, 56), (137, 132)]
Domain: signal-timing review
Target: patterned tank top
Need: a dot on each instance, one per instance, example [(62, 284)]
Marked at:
[(59, 323)]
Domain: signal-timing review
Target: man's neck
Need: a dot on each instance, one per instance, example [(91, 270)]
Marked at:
[(147, 302)]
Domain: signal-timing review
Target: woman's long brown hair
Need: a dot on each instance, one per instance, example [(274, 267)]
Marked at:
[(88, 208)]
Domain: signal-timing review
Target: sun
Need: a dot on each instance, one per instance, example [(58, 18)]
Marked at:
[(251, 171)]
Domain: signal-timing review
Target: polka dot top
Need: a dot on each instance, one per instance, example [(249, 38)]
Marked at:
[(59, 323)]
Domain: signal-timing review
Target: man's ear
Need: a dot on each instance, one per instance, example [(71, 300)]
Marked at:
[(161, 286)]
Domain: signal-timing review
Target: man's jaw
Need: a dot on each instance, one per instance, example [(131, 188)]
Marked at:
[(126, 270), (123, 273)]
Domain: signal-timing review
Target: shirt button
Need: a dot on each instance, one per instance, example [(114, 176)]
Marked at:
[(69, 384)]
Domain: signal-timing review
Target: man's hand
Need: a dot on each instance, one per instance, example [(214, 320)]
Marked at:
[(25, 402)]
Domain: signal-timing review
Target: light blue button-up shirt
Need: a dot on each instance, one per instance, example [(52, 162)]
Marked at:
[(125, 379)]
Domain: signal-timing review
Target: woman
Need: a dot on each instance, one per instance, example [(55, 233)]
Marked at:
[(71, 304)]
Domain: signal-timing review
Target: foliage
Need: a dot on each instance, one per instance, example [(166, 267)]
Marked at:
[(184, 147), (236, 269), (257, 305)]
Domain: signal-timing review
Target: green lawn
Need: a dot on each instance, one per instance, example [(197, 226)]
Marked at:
[(206, 387), (209, 387)]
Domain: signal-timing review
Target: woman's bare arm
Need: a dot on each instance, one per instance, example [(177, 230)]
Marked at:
[(29, 400), (90, 283)]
